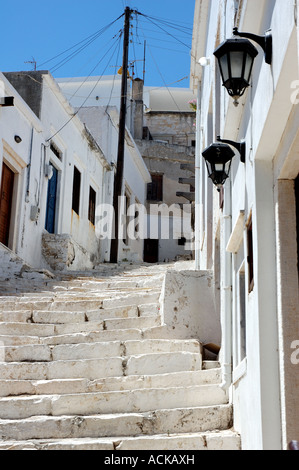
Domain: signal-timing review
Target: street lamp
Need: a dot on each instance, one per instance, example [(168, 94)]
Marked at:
[(218, 159), (236, 58)]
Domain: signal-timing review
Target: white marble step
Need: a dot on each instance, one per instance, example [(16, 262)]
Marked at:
[(213, 441), (167, 421), (147, 364), (129, 401), (47, 329), (71, 386), (51, 317), (39, 353), (75, 304)]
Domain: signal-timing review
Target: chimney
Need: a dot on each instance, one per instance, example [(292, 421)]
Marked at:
[(137, 108)]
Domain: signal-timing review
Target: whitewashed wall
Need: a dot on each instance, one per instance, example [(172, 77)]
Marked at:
[(261, 382)]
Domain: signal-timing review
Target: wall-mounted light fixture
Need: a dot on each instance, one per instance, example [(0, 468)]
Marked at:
[(204, 61), (266, 42), (18, 139), (218, 159), (236, 57), (240, 146)]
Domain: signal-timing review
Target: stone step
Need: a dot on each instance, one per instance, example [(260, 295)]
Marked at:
[(39, 353), (167, 421), (132, 401), (92, 369), (74, 304), (71, 386), (52, 317), (213, 441), (45, 330), (157, 332)]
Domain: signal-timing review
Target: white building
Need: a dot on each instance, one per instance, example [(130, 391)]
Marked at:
[(250, 237), (161, 123), (57, 174)]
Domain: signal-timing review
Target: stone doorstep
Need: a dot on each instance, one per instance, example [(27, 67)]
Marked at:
[(176, 421), (132, 401), (92, 369), (213, 441), (71, 386), (39, 353)]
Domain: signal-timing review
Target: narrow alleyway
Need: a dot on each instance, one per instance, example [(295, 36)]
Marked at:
[(89, 364)]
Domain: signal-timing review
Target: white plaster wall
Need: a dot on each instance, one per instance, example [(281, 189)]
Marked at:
[(20, 120), (261, 118)]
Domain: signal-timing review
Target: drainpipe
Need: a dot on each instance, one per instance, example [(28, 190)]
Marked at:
[(197, 178), (29, 167), (226, 293)]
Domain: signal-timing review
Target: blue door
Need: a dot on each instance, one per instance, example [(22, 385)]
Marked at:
[(51, 202)]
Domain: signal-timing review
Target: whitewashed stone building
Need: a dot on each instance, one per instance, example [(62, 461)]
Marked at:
[(162, 125), (249, 236), (56, 174)]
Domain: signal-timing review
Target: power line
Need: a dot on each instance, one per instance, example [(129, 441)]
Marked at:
[(83, 45), (89, 95), (165, 31)]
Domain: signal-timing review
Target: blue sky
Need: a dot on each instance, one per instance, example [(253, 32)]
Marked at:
[(41, 30)]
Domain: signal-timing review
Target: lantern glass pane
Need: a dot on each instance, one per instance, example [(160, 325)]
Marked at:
[(224, 67), (219, 167), (248, 67), (237, 60), (227, 167)]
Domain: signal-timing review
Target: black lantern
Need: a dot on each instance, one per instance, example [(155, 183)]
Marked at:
[(218, 158), (236, 58)]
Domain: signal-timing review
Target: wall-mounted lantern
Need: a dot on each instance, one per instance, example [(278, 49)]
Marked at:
[(218, 159), (236, 58), (240, 146)]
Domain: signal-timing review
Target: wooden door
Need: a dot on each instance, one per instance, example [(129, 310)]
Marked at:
[(51, 202), (6, 195)]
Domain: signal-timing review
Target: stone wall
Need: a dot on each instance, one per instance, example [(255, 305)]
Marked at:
[(63, 253), (173, 127), (189, 304)]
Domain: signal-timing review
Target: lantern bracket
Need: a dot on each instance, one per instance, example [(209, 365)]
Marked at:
[(266, 42), (240, 146)]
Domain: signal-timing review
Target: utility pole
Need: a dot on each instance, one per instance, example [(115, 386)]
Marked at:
[(118, 180)]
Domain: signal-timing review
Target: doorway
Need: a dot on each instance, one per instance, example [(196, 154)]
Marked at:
[(51, 202), (151, 251), (6, 196)]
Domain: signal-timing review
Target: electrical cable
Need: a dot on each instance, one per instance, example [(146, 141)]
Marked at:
[(87, 98), (85, 43), (169, 34)]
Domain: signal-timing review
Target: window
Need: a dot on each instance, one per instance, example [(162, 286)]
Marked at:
[(56, 151), (127, 218), (250, 255), (76, 190), (92, 206), (155, 188)]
